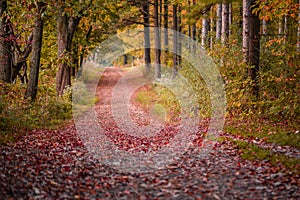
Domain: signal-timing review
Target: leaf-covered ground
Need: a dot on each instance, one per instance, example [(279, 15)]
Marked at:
[(54, 164)]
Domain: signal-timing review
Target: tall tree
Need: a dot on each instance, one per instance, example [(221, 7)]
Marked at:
[(246, 36), (5, 45), (225, 22), (212, 27), (147, 51), (251, 41), (205, 28), (229, 18), (298, 31), (166, 22), (157, 41), (219, 22), (175, 43), (63, 78), (179, 30), (36, 52), (194, 28), (67, 23)]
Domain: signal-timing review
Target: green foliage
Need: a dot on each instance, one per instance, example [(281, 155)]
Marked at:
[(17, 113)]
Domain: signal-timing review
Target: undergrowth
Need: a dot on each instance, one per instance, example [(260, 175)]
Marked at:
[(18, 113), (254, 152)]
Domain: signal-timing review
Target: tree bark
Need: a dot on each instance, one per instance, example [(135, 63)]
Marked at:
[(157, 41), (179, 39), (298, 30), (219, 22), (63, 73), (205, 28), (254, 49), (229, 18), (5, 46), (225, 23), (246, 37), (166, 13), (194, 29), (211, 29), (147, 51), (175, 44), (35, 55)]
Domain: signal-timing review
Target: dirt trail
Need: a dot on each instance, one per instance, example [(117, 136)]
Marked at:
[(54, 164)]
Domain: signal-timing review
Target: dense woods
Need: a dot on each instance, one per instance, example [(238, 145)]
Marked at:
[(255, 44), (46, 51)]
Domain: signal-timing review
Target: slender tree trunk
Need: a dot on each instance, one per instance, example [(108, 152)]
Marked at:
[(246, 36), (285, 29), (229, 18), (179, 39), (205, 28), (147, 51), (175, 37), (280, 28), (254, 49), (72, 25), (219, 22), (157, 41), (298, 30), (166, 16), (81, 59), (35, 56), (212, 27), (5, 46), (160, 13), (225, 23), (125, 59), (189, 26), (194, 29)]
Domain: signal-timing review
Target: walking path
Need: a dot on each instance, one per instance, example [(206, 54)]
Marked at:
[(54, 164)]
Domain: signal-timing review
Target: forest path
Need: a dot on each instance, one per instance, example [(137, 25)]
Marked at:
[(54, 164)]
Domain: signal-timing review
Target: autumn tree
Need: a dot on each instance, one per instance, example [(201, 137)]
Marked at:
[(251, 46), (157, 44), (147, 50), (5, 45), (36, 51)]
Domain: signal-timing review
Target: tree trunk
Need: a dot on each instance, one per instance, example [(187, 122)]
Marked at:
[(157, 41), (125, 60), (212, 26), (35, 56), (5, 46), (72, 25), (229, 18), (298, 30), (246, 36), (166, 13), (205, 28), (225, 23), (63, 73), (175, 44), (194, 29), (219, 22), (147, 51), (160, 12), (254, 48), (189, 26), (179, 39)]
